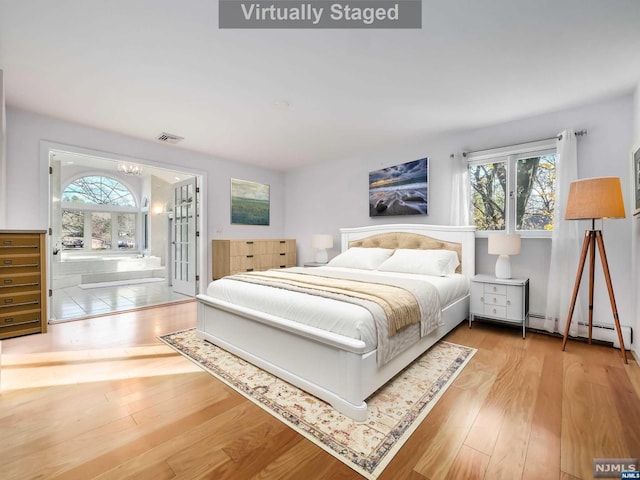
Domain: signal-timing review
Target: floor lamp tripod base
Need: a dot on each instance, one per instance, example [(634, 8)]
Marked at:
[(591, 239)]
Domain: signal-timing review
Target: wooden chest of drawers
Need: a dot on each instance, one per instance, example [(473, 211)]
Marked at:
[(23, 289), (235, 256)]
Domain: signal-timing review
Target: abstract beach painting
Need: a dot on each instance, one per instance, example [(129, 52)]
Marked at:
[(400, 190), (249, 203)]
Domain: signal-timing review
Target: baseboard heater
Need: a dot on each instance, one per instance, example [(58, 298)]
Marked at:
[(600, 333)]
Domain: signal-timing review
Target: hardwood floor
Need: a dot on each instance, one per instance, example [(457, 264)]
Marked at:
[(103, 398)]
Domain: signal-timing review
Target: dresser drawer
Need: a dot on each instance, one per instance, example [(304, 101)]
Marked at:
[(20, 242), (19, 301), (244, 263), (20, 324), (19, 282), (22, 318), (19, 263)]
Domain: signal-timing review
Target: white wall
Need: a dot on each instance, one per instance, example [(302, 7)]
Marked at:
[(635, 246), (322, 198), (27, 205), (3, 151)]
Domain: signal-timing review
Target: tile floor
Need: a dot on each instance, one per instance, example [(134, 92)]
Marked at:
[(72, 303)]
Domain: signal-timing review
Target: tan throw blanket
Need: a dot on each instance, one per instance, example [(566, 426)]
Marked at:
[(399, 305)]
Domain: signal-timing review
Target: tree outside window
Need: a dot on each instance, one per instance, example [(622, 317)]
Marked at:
[(514, 193), (99, 213)]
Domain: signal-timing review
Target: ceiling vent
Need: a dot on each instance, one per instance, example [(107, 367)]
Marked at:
[(169, 138)]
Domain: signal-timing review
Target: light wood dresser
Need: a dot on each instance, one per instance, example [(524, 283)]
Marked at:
[(23, 283), (247, 255)]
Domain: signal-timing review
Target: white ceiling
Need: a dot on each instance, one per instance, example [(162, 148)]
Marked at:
[(142, 67)]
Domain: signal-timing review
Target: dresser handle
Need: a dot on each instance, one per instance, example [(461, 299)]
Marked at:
[(283, 241), (249, 256), (495, 300), (8, 320), (494, 311), (482, 299), (7, 242), (283, 266), (8, 300), (8, 281), (249, 269), (282, 254), (508, 302), (249, 243), (8, 262), (495, 289)]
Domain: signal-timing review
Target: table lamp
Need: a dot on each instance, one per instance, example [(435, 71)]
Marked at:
[(504, 245), (321, 242)]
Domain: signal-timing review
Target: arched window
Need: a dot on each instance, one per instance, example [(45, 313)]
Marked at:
[(98, 213), (98, 190)]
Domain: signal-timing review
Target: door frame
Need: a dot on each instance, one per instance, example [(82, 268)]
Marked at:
[(46, 147)]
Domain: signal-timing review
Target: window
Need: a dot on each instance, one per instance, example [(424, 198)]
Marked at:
[(98, 213), (513, 191), (98, 190)]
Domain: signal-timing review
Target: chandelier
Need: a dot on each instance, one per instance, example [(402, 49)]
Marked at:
[(129, 168)]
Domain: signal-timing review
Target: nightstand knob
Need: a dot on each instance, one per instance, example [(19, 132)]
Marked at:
[(495, 289), (495, 300), (482, 299), (508, 302), (494, 311)]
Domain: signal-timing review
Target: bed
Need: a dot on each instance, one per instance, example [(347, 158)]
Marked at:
[(288, 338)]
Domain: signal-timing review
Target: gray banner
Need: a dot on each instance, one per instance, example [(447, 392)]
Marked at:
[(319, 14)]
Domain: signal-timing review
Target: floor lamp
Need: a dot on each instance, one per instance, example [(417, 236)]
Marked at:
[(591, 199)]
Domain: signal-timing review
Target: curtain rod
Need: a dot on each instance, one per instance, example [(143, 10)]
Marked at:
[(579, 133)]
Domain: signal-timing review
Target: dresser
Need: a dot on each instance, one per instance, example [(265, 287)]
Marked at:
[(23, 292), (248, 255), (504, 300)]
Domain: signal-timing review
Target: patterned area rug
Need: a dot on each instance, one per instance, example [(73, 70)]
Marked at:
[(395, 410)]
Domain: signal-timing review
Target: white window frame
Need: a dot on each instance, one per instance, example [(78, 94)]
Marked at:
[(510, 155), (114, 210)]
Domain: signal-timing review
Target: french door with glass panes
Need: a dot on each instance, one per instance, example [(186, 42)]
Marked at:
[(184, 237)]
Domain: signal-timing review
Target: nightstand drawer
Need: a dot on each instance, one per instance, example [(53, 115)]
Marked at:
[(496, 289), (495, 311), (491, 299)]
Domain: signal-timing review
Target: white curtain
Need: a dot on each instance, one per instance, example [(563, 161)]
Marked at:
[(565, 243), (460, 197)]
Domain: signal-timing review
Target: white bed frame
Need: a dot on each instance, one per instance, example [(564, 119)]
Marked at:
[(332, 367)]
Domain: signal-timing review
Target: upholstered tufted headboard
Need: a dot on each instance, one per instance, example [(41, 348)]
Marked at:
[(424, 237), (408, 240)]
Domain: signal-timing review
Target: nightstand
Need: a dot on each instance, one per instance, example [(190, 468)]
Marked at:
[(500, 299)]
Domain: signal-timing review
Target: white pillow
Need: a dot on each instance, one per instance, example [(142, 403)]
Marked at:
[(438, 263), (360, 257)]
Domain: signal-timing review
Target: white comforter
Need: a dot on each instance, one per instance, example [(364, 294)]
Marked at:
[(343, 318)]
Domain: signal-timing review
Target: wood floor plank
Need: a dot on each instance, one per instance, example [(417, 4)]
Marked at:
[(484, 432), (590, 424), (628, 408), (443, 432), (543, 453), (470, 464), (510, 451)]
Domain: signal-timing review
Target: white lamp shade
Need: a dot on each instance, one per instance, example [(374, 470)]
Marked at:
[(322, 241), (504, 244)]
